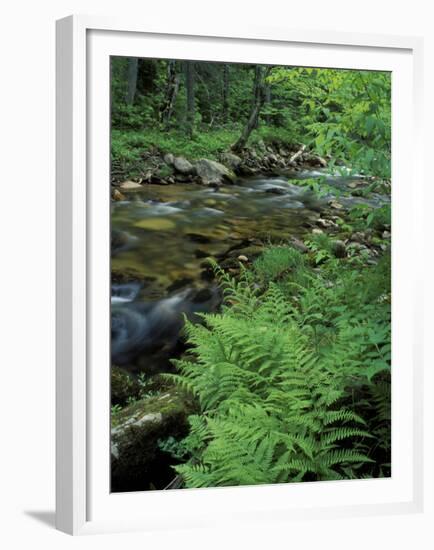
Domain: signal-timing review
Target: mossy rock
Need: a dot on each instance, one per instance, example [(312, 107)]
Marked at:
[(137, 460)]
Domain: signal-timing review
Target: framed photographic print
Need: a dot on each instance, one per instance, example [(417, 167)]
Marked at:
[(237, 270)]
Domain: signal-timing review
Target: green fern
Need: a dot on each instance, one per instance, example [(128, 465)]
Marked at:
[(283, 379)]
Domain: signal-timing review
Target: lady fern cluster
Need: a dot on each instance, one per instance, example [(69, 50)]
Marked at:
[(292, 377), (275, 407)]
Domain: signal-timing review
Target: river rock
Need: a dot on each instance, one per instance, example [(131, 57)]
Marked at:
[(325, 223), (128, 275), (136, 456), (211, 172), (117, 195), (260, 145), (335, 204), (179, 283), (247, 170), (244, 253), (202, 295), (169, 159), (298, 245), (276, 191), (183, 166), (130, 185), (198, 238), (119, 240), (155, 224), (358, 237), (232, 161)]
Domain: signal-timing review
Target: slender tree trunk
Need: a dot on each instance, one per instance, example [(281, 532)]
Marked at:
[(259, 98), (189, 85), (257, 83), (172, 88), (257, 90), (225, 94), (133, 64), (267, 100)]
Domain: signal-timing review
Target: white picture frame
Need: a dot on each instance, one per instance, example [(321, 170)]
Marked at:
[(83, 504)]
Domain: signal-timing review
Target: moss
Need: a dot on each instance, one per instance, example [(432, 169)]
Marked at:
[(138, 463), (123, 386)]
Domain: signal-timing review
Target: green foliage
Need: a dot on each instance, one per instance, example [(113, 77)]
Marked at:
[(321, 247), (292, 380), (128, 147), (345, 115), (177, 449), (276, 261), (362, 216)]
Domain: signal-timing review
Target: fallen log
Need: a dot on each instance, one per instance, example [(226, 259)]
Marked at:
[(297, 155)]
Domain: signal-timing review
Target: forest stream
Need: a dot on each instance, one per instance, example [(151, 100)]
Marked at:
[(161, 239), (250, 274)]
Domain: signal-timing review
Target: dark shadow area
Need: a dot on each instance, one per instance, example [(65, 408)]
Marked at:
[(48, 517)]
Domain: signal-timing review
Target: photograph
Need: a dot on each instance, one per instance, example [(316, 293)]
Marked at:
[(250, 225)]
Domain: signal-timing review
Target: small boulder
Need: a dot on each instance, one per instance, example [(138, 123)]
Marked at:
[(117, 195), (243, 258), (298, 245), (135, 435), (183, 166), (325, 223), (335, 204), (169, 159), (232, 161), (211, 172), (130, 185), (260, 145)]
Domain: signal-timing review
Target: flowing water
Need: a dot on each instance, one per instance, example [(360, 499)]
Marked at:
[(161, 237)]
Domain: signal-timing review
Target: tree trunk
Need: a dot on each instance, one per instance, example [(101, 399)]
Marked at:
[(172, 89), (258, 101), (225, 93), (267, 100), (189, 85), (133, 64)]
